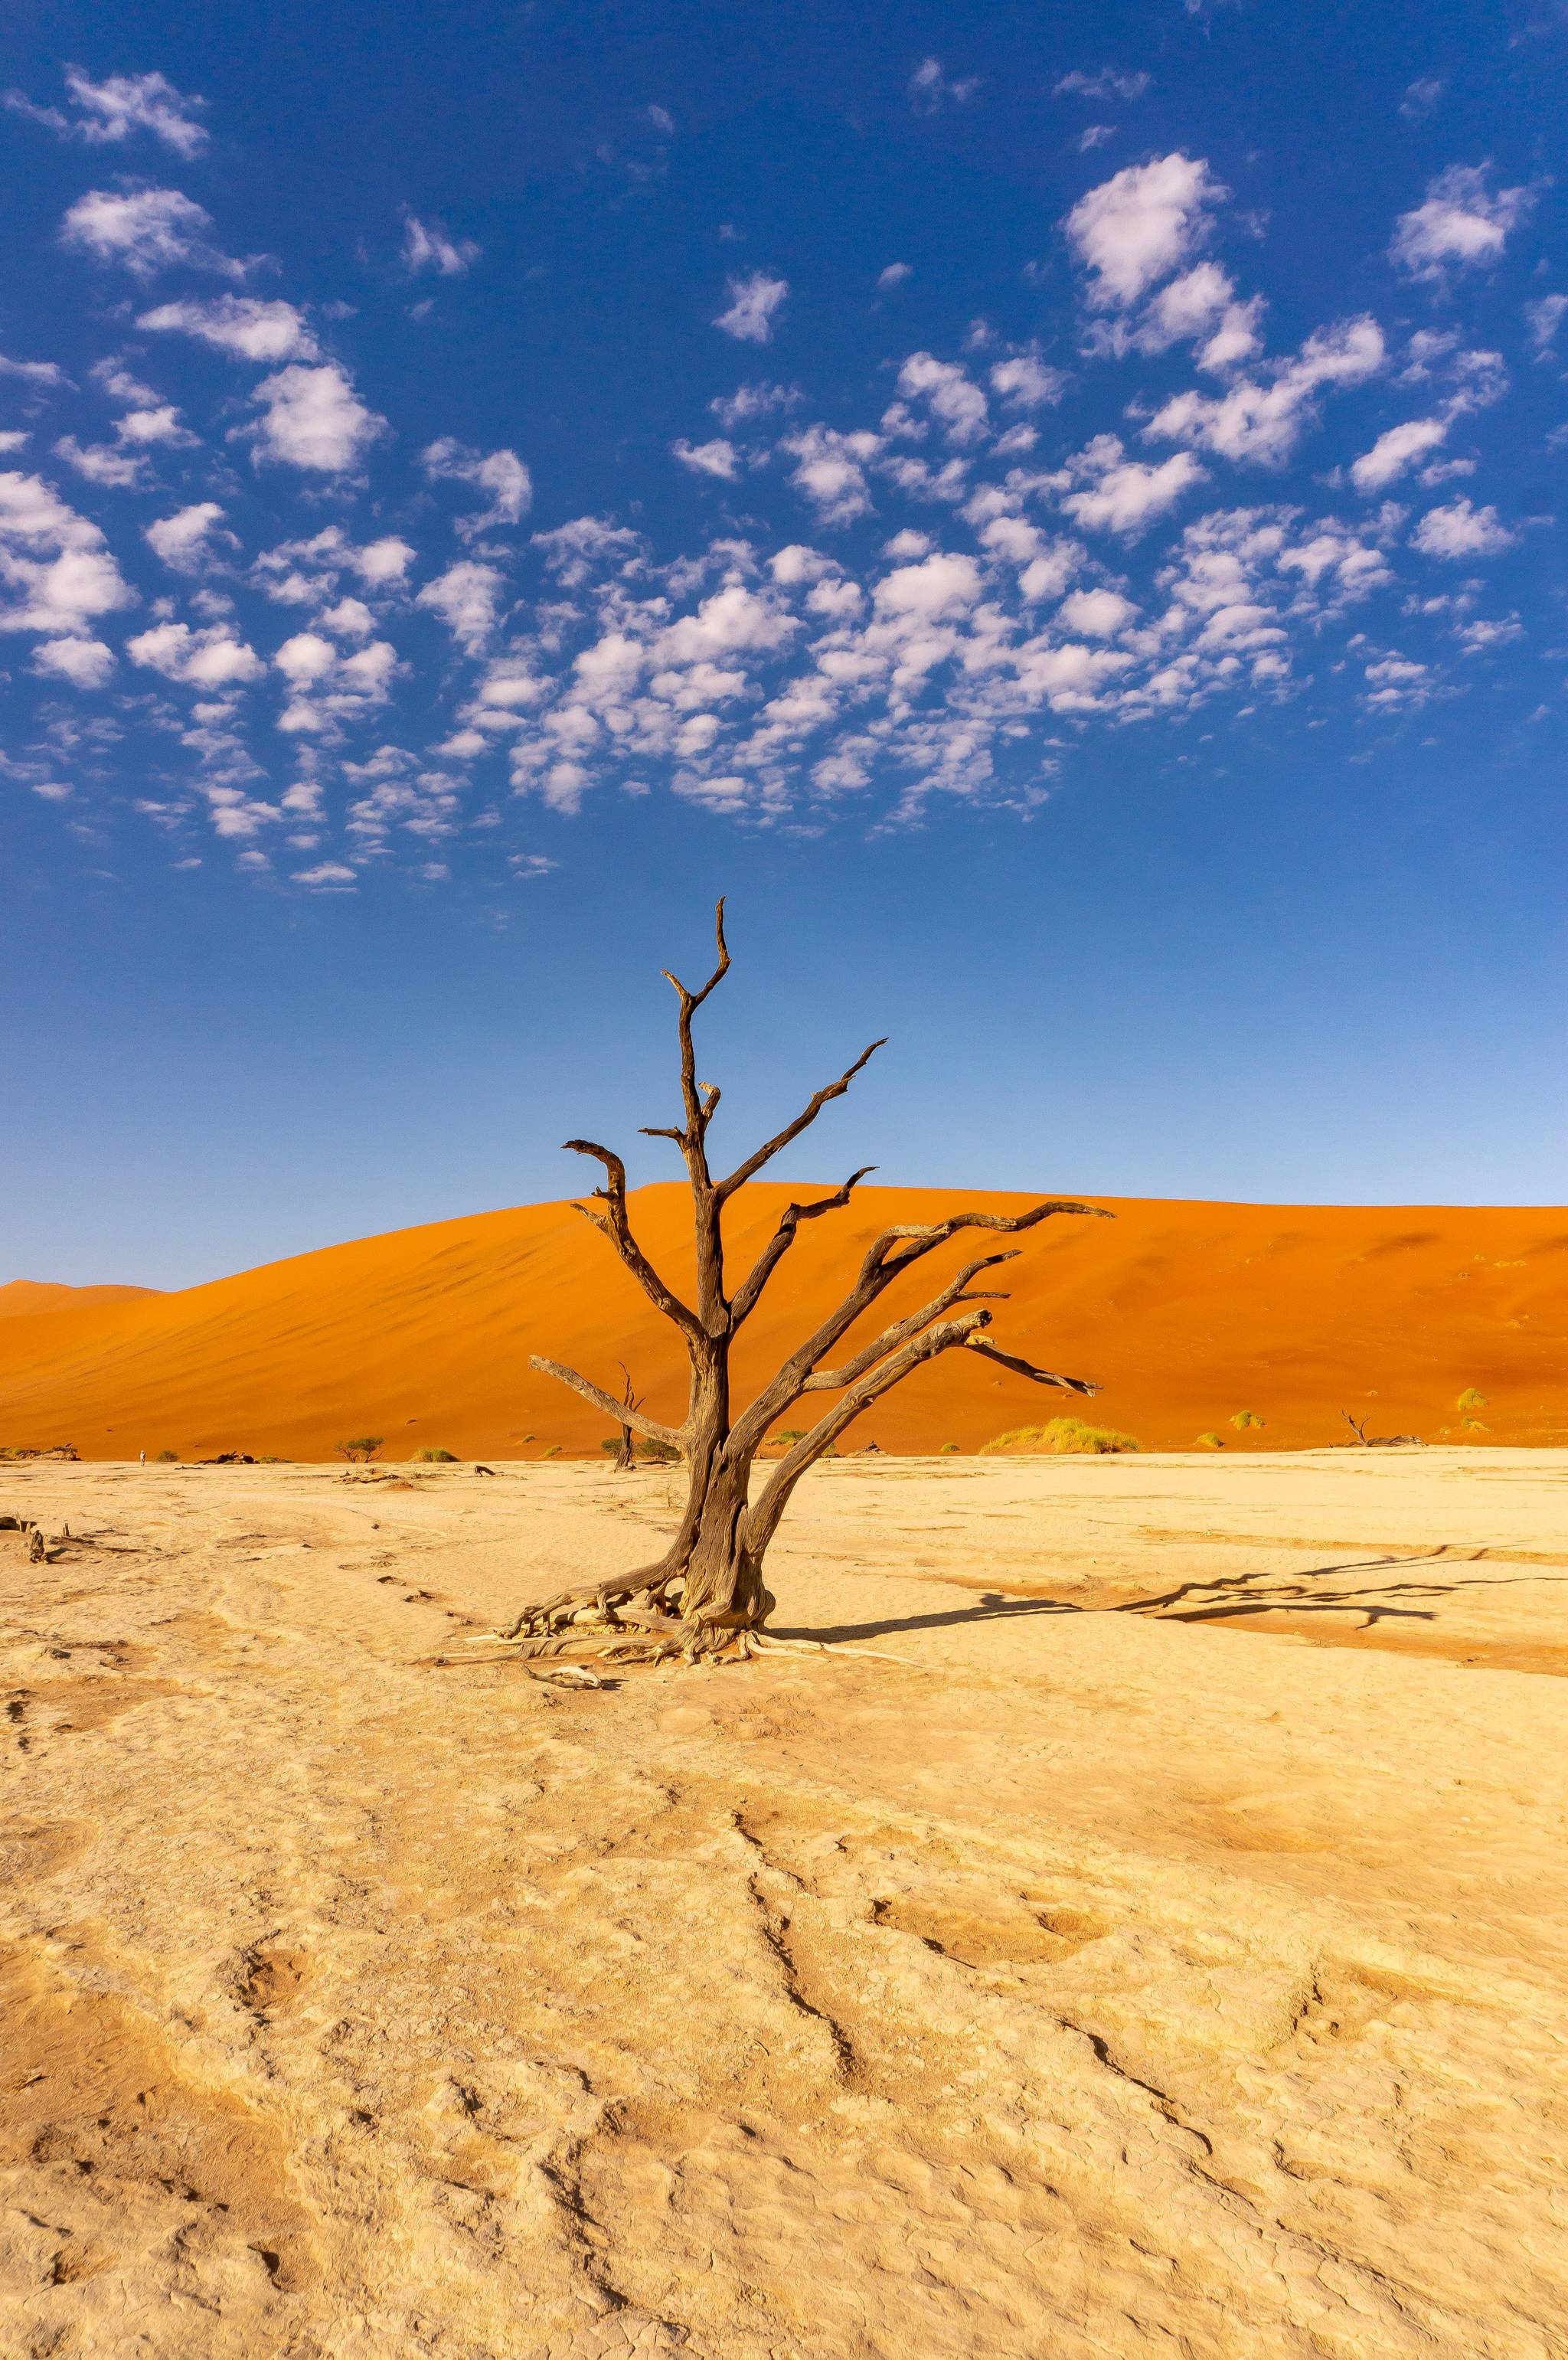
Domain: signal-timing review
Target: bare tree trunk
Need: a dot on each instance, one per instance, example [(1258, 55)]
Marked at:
[(706, 1596)]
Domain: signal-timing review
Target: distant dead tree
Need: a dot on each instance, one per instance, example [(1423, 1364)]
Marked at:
[(1377, 1441), (705, 1596), (625, 1456)]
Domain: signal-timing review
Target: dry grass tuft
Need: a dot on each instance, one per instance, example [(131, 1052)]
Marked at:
[(1067, 1433)]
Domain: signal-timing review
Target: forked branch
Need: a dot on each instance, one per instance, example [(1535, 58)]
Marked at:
[(750, 1289), (624, 1413), (618, 1228)]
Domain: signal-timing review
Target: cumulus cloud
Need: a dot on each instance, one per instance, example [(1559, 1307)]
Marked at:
[(41, 373), (1544, 318), (146, 230), (184, 540), (246, 325), (1396, 451), (1098, 614), (930, 87), (717, 458), (1264, 421), (894, 276), (1200, 308), (1135, 228), (954, 399), (102, 462), (312, 419), (749, 402), (86, 664), (55, 563), (1025, 382), (754, 301), (830, 471), (210, 658), (939, 585), (467, 598), (1106, 83), (500, 474), (1122, 494), (1461, 530), (427, 246), (1461, 222), (105, 113)]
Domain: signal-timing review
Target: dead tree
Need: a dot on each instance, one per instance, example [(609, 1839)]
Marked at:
[(1377, 1441), (625, 1455), (705, 1597)]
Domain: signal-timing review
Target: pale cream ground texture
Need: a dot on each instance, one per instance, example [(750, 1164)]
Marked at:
[(1164, 1954)]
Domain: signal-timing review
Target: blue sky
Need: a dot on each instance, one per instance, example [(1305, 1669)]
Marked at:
[(1054, 511)]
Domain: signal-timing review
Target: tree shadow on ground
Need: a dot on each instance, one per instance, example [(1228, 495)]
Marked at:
[(1227, 1598)]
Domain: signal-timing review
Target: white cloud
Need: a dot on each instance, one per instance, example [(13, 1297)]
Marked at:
[(734, 619), (146, 230), (34, 372), (1098, 614), (1106, 83), (381, 563), (1200, 308), (501, 474), (1420, 98), (1460, 222), (1545, 317), (312, 419), (939, 585), (1134, 229), (55, 560), (212, 658), (466, 597), (86, 664), (1025, 382), (100, 463), (107, 112), (327, 876), (716, 458), (832, 471), (749, 402), (427, 246), (1264, 422), (1395, 451), (894, 276), (142, 428), (955, 401), (306, 657), (184, 540), (1122, 494), (752, 303), (243, 324), (930, 87), (1461, 530)]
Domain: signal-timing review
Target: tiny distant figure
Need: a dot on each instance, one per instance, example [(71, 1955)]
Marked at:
[(144, 1457)]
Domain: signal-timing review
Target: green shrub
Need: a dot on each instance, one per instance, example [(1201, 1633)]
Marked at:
[(1060, 1434), (1470, 1401), (360, 1447), (552, 1452), (267, 1458), (432, 1455), (1211, 1442), (1244, 1418), (657, 1453), (611, 1443), (948, 1450), (166, 1457)]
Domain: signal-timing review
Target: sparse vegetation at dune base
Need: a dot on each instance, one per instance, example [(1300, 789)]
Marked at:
[(1059, 1434)]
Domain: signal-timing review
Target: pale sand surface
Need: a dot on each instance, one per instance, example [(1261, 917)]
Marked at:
[(1101, 1978)]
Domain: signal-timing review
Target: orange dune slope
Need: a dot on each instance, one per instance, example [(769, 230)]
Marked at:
[(25, 1298), (1185, 1312)]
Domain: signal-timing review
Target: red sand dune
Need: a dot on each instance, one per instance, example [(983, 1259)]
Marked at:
[(25, 1298), (1186, 1313)]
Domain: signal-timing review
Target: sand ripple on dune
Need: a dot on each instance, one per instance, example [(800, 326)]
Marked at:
[(1117, 1971)]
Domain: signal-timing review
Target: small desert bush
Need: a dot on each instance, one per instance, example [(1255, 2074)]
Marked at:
[(267, 1458), (1211, 1442), (360, 1447), (166, 1457), (432, 1455), (1244, 1418), (1065, 1434), (657, 1453), (611, 1443), (552, 1451), (948, 1450), (1470, 1401)]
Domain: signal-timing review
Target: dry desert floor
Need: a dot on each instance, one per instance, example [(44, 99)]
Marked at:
[(1140, 1931)]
